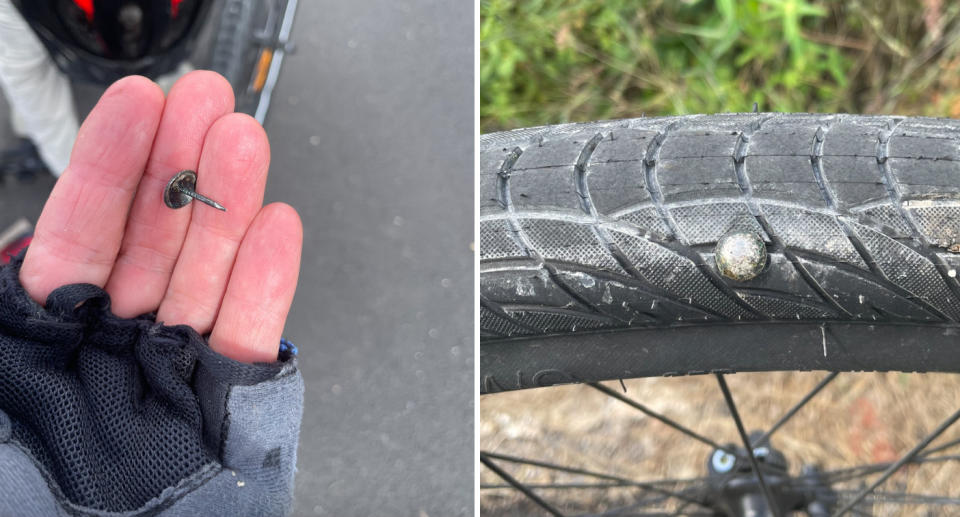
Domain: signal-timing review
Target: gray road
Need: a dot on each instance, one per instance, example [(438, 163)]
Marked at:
[(371, 134)]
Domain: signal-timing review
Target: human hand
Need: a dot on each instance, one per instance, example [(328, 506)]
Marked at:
[(232, 274)]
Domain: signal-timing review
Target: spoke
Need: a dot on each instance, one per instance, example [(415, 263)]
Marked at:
[(653, 414), (797, 407), (623, 510), (629, 482), (669, 422), (924, 457), (865, 470), (904, 498), (746, 443), (847, 474), (627, 511), (943, 447), (519, 486), (558, 486), (901, 462)]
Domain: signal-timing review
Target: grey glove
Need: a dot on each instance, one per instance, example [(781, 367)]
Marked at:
[(107, 416)]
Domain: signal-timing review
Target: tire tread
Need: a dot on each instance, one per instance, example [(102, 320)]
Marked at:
[(610, 225)]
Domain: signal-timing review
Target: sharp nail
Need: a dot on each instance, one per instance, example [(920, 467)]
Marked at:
[(201, 198)]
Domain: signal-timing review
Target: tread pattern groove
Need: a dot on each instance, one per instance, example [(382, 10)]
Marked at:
[(651, 164), (586, 204), (580, 171), (746, 188), (896, 197), (635, 276), (817, 160), (603, 235), (875, 269), (498, 311), (503, 195), (645, 288), (651, 160)]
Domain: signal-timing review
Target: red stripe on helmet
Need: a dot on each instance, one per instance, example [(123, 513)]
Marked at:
[(174, 7), (87, 7)]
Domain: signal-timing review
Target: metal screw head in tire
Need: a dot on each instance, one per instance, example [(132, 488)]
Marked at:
[(741, 255), (173, 195)]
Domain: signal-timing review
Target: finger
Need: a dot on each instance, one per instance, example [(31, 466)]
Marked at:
[(262, 283), (154, 232), (233, 170), (79, 231)]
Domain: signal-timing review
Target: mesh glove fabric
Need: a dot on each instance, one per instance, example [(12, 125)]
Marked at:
[(129, 416)]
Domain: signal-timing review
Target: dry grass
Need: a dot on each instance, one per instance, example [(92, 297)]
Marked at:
[(857, 419)]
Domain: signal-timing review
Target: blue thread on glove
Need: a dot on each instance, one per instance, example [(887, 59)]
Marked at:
[(287, 347)]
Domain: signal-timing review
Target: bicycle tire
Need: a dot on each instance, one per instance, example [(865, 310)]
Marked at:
[(597, 244), (232, 41)]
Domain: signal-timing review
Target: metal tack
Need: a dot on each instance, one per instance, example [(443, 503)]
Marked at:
[(180, 191), (741, 255)]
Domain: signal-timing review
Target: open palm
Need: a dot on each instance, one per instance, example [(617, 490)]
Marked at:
[(231, 274)]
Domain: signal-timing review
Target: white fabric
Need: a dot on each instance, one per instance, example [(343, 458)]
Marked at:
[(38, 93)]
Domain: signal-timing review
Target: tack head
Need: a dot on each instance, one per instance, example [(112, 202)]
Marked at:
[(181, 190), (173, 195), (741, 255)]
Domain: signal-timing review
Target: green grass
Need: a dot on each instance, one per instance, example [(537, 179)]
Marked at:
[(551, 61)]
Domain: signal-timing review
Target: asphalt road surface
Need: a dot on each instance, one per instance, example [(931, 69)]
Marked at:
[(372, 141)]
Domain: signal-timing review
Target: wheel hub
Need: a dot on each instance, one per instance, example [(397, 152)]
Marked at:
[(734, 490)]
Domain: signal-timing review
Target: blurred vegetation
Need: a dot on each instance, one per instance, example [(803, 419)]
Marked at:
[(551, 61)]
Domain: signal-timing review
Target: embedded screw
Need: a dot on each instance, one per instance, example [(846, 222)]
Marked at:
[(741, 255), (181, 190)]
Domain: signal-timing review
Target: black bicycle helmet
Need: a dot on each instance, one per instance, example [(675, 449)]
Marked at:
[(104, 40)]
